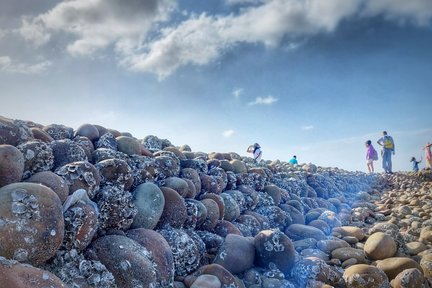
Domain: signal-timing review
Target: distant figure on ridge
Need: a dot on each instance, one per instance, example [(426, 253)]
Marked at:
[(256, 150), (415, 164), (293, 160), (388, 149), (371, 155), (428, 154)]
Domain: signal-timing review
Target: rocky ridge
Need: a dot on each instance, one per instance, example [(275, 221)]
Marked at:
[(94, 207)]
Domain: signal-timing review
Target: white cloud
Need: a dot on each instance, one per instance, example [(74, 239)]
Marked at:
[(267, 100), (132, 28), (416, 11), (307, 127), (9, 66), (237, 92), (237, 2), (228, 133), (96, 24)]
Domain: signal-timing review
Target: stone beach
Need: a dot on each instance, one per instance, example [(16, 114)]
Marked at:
[(95, 207)]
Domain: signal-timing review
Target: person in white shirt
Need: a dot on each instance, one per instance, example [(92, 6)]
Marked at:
[(256, 150)]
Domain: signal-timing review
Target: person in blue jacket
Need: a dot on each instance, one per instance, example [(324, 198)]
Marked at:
[(293, 160)]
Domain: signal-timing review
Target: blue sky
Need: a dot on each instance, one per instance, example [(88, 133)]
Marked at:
[(313, 78)]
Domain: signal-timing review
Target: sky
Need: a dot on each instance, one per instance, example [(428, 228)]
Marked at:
[(312, 78)]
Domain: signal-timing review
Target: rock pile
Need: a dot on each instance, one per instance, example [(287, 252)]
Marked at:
[(94, 207)]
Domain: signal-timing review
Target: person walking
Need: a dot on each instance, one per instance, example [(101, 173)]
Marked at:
[(388, 146), (256, 151), (428, 154), (293, 160), (371, 155)]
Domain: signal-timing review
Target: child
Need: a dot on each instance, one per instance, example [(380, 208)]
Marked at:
[(415, 164), (371, 155), (256, 150)]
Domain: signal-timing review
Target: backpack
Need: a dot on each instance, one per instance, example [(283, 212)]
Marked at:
[(374, 155), (388, 143)]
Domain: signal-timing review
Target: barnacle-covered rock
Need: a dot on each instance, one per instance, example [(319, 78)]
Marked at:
[(116, 208), (362, 275), (315, 269), (409, 278), (81, 224), (11, 165), (76, 271), (88, 130), (115, 172), (274, 248), (212, 241), (38, 157), (80, 175), (108, 141), (14, 132), (53, 181), (86, 144), (221, 178), (143, 169), (160, 251), (59, 132), (153, 143), (174, 212), (250, 222), (238, 166), (66, 151), (14, 274), (149, 202), (187, 254), (236, 254), (191, 174), (196, 213), (166, 166), (296, 216), (223, 228), (131, 264), (33, 213), (276, 216), (101, 154)]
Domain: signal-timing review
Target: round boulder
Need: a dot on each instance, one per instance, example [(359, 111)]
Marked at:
[(149, 201), (272, 246), (380, 246), (32, 213), (236, 254), (11, 165), (365, 276)]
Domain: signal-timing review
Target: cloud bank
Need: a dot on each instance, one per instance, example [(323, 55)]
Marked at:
[(10, 66), (144, 39)]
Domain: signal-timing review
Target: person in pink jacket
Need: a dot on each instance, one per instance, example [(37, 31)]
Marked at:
[(371, 155), (428, 155)]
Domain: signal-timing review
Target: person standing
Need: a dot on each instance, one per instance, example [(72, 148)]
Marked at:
[(256, 151), (388, 146), (371, 155), (293, 160), (428, 155)]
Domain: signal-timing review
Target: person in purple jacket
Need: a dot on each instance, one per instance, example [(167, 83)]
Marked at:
[(371, 155)]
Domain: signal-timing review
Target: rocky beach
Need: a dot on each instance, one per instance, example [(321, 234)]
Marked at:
[(95, 207)]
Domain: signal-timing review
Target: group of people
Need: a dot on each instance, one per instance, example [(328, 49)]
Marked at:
[(255, 149), (388, 149)]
